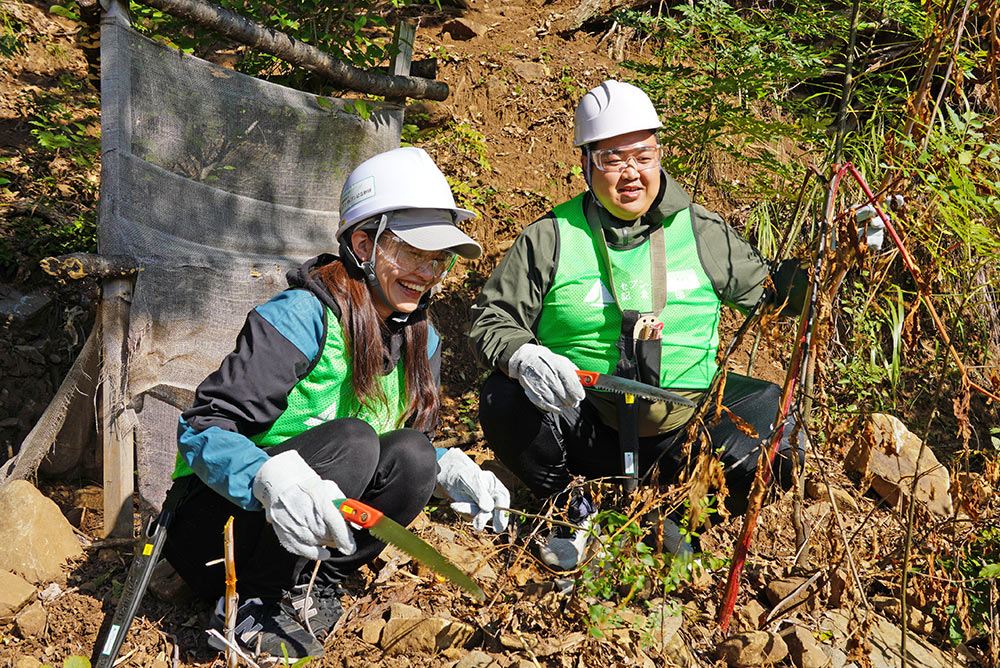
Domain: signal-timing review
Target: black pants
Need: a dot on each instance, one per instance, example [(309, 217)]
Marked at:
[(394, 473), (545, 451)]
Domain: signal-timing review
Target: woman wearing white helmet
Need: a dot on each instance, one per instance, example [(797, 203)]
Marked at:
[(627, 279), (331, 392)]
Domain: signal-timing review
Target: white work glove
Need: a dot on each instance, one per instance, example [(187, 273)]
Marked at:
[(473, 491), (299, 504), (871, 227), (549, 380)]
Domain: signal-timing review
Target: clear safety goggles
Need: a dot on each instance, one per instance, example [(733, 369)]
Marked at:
[(410, 260), (640, 156)]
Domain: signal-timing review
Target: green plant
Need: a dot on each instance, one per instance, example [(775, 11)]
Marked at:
[(624, 568), (735, 103), (73, 662), (67, 123), (466, 140), (975, 566), (286, 662), (11, 29)]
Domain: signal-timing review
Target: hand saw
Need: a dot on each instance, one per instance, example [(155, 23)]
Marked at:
[(390, 531), (601, 381)]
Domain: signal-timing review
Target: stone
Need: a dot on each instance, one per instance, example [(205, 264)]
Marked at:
[(371, 632), (30, 622), (804, 650), (755, 648), (751, 615), (784, 589), (916, 620), (462, 29), (35, 538), (816, 489), (531, 71), (19, 310), (15, 593), (403, 611), (885, 454), (424, 635), (27, 662), (884, 638), (475, 659)]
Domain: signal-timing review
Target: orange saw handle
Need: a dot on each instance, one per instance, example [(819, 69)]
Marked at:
[(359, 513), (587, 378)]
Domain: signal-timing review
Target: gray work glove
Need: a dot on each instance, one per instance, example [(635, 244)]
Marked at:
[(299, 505), (871, 227), (473, 491), (549, 379)]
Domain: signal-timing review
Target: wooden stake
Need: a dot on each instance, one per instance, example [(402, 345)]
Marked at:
[(232, 598)]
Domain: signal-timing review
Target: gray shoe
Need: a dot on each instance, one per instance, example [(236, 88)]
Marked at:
[(322, 608), (265, 628)]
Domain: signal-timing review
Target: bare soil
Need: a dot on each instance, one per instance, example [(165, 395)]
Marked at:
[(505, 130)]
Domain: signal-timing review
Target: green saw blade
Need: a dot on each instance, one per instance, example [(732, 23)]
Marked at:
[(390, 531)]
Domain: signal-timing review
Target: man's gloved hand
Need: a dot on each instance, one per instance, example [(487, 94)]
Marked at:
[(299, 504), (473, 491), (549, 380), (871, 228)]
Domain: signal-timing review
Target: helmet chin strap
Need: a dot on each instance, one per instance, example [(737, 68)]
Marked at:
[(587, 176), (367, 269)]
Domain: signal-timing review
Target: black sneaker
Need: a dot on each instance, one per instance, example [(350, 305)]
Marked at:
[(322, 608), (263, 628)]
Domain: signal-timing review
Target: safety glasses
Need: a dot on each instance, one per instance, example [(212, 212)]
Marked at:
[(408, 259), (640, 156)]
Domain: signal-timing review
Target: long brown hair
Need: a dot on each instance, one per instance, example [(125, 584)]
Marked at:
[(364, 336)]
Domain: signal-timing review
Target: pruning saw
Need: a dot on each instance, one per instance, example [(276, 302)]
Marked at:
[(390, 531)]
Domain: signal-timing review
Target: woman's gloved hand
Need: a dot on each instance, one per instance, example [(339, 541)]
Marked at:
[(299, 505), (473, 491), (549, 379)]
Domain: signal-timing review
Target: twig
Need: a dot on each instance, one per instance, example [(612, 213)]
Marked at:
[(240, 653), (531, 655), (308, 599), (845, 93), (231, 596), (784, 604)]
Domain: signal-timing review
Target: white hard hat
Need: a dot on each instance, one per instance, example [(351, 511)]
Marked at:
[(611, 109), (406, 181)]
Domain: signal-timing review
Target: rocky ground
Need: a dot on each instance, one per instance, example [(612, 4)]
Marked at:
[(505, 134)]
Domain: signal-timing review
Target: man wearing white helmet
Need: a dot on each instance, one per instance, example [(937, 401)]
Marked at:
[(627, 278), (331, 392)]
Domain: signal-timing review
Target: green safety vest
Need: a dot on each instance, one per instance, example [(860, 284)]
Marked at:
[(327, 393), (581, 320)]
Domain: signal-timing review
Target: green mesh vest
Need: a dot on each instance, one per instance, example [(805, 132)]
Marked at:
[(326, 393), (581, 320)]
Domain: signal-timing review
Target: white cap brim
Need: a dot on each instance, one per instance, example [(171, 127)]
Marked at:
[(432, 230)]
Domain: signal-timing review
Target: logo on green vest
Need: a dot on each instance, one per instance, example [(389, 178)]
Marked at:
[(325, 416), (599, 294), (679, 283)]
